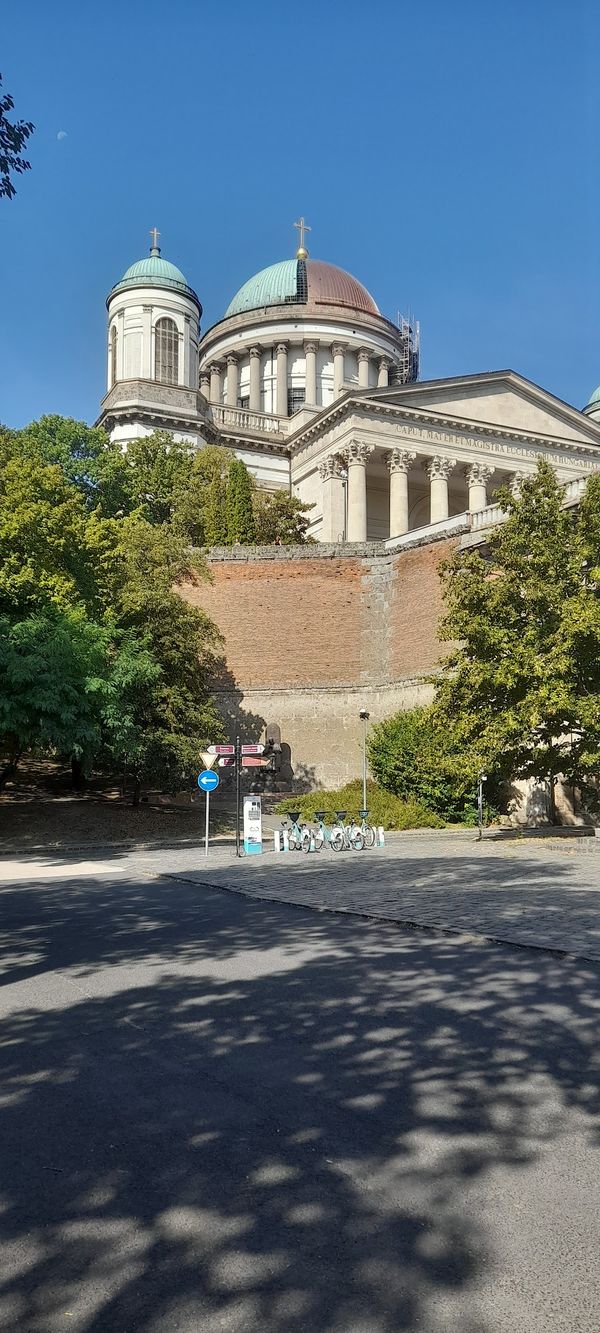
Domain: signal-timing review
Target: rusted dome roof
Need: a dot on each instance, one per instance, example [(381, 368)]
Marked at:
[(302, 282)]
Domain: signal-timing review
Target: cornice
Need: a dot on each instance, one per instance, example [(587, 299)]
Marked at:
[(352, 404)]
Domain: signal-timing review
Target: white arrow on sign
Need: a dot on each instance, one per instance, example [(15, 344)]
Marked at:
[(208, 759)]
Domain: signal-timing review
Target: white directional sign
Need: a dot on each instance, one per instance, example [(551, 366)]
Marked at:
[(221, 749), (252, 749)]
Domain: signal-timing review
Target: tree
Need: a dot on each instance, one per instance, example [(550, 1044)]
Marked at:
[(240, 514), (77, 573), (521, 691), (410, 758), (51, 668), (13, 137), (280, 518)]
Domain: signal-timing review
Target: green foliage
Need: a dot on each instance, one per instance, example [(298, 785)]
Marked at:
[(51, 668), (521, 693), (99, 654), (280, 519), (240, 513), (384, 808), (411, 757), (13, 137)]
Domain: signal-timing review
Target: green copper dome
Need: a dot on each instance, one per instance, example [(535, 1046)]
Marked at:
[(275, 285), (302, 281), (595, 398), (155, 272)]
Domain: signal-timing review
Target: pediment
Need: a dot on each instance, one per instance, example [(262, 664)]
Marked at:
[(500, 399)]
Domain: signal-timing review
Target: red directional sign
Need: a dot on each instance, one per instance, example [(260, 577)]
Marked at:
[(254, 761), (252, 749), (221, 749), (225, 760)]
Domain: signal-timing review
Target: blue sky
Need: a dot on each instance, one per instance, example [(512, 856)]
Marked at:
[(445, 153)]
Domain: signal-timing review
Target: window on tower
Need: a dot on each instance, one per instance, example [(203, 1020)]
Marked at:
[(166, 352), (113, 355)]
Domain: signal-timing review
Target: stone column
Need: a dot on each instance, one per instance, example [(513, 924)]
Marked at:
[(399, 461), (255, 355), (205, 382), (478, 475), (216, 369), (356, 455), (231, 387), (337, 350), (282, 385), (383, 372), (364, 359), (439, 470), (516, 481), (310, 352), (332, 472)]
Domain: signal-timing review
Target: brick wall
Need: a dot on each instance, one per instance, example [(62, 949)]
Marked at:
[(314, 634)]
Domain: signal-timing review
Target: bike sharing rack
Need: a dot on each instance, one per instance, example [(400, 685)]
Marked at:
[(317, 839)]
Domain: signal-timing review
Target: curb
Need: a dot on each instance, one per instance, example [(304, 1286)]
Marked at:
[(404, 923)]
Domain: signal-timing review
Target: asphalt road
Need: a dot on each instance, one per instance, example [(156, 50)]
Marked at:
[(220, 1114)]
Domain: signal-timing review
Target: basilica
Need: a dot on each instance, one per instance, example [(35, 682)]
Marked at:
[(318, 392)]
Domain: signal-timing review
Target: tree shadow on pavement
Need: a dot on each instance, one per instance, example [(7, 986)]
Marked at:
[(219, 1114)]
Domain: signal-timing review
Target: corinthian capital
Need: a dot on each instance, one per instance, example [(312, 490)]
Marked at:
[(311, 347), (356, 452), (331, 468), (516, 482), (364, 354), (478, 474), (439, 468), (255, 351), (400, 460)]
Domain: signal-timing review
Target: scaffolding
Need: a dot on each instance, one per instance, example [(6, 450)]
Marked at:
[(406, 370)]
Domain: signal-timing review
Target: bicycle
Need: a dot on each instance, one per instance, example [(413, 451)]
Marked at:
[(367, 830), (343, 836), (295, 832), (315, 839)]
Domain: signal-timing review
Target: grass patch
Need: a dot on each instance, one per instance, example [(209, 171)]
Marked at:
[(384, 808)]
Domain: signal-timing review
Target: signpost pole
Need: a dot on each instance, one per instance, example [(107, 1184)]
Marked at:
[(206, 830), (238, 787)]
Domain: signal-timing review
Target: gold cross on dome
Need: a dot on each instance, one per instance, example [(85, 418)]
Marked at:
[(155, 235), (302, 227)]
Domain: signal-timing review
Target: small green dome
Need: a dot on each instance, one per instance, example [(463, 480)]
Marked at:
[(155, 272), (595, 398), (272, 286)]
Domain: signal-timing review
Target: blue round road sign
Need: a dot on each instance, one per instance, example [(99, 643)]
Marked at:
[(207, 781)]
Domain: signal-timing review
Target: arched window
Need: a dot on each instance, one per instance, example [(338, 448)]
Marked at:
[(166, 352), (113, 355)]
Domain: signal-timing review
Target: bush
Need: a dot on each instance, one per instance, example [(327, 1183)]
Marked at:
[(384, 808), (412, 758)]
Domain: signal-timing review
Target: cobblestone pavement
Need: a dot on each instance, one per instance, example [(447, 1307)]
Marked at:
[(526, 894)]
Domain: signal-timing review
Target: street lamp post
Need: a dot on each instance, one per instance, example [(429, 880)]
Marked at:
[(364, 716)]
